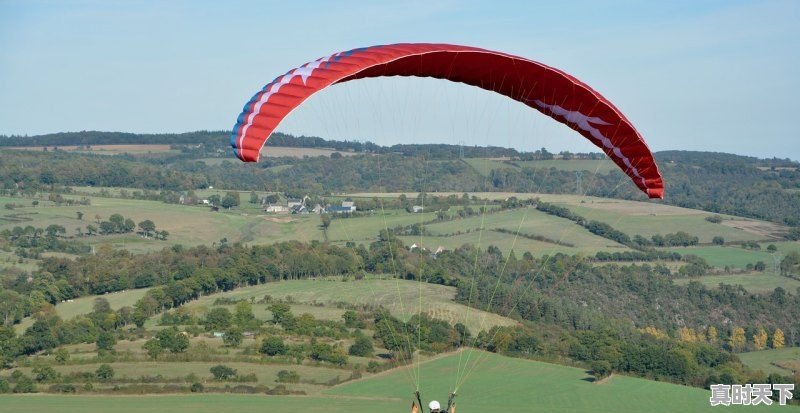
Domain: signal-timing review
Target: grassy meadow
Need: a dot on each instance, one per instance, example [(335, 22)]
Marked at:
[(489, 383), (782, 361), (320, 298), (499, 384)]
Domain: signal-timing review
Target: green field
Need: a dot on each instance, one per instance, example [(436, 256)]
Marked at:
[(206, 403), (69, 309), (532, 222), (187, 225), (733, 256), (501, 384), (781, 361), (491, 383), (753, 282), (366, 228), (402, 298), (648, 219)]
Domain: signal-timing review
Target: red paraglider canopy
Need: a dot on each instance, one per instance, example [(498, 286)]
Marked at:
[(546, 89)]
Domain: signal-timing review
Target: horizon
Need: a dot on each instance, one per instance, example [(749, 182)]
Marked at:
[(706, 76), (233, 157)]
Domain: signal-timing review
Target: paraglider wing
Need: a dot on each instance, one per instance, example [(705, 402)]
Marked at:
[(546, 89)]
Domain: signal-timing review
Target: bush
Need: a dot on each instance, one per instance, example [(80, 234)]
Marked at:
[(273, 346), (362, 347), (244, 389), (373, 367), (286, 376), (45, 374), (196, 388), (62, 388), (104, 372), (222, 372), (4, 386), (601, 369), (25, 385)]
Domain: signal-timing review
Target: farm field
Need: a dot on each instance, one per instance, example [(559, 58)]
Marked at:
[(531, 222), (501, 384), (492, 383), (187, 225), (68, 310), (640, 218), (402, 298), (782, 361), (366, 228), (734, 256), (505, 242), (754, 282)]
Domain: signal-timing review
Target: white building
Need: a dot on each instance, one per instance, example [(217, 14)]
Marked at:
[(277, 209)]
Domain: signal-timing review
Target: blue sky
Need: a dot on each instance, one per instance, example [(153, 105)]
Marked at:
[(695, 75)]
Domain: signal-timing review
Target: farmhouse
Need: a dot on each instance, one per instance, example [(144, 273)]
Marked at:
[(347, 206), (277, 209)]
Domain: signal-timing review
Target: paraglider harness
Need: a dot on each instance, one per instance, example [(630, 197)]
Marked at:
[(450, 402)]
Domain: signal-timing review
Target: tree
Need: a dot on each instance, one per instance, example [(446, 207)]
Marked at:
[(760, 339), (61, 356), (772, 248), (243, 316), (12, 307), (352, 320), (778, 338), (281, 314), (229, 202), (718, 240), (712, 335), (218, 319), (253, 197), (214, 200), (362, 347), (25, 385), (737, 339), (222, 372), (791, 263), (147, 226), (153, 348), (601, 369), (104, 372), (233, 336), (326, 220), (118, 222), (80, 215), (173, 340), (106, 341), (128, 225), (273, 346), (44, 374)]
